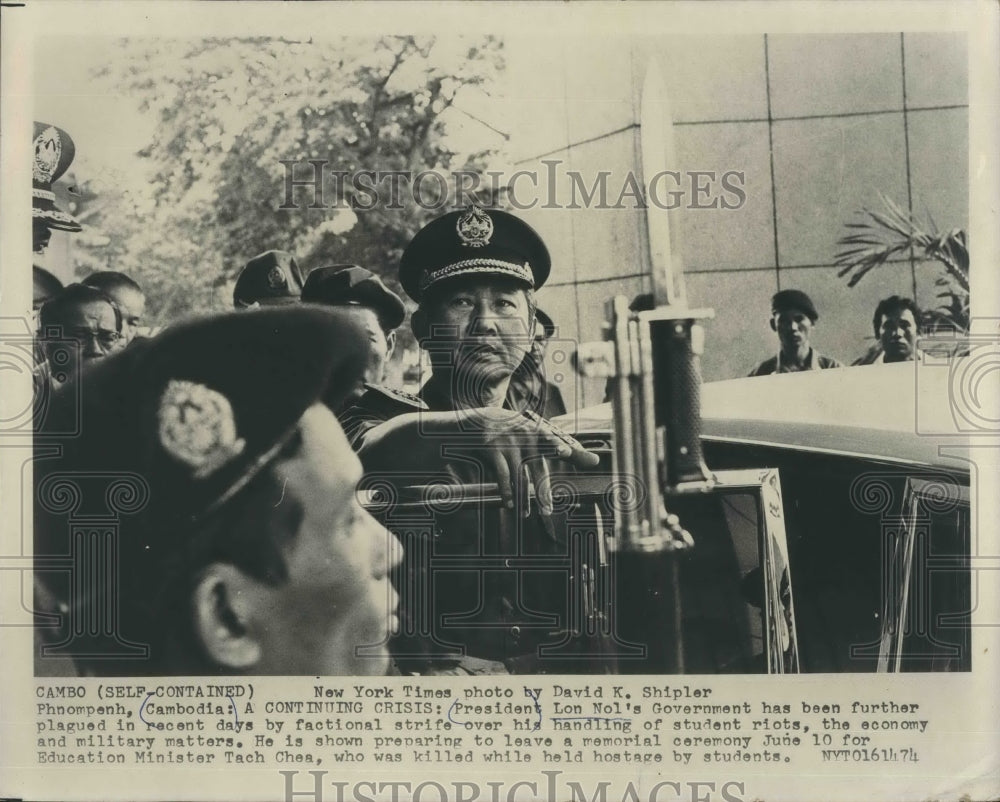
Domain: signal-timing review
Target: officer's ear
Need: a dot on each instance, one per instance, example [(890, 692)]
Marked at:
[(420, 326), (774, 323), (390, 344), (223, 609)]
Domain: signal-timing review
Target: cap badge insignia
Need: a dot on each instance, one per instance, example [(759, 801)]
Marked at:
[(48, 149), (276, 278), (197, 427), (475, 228)]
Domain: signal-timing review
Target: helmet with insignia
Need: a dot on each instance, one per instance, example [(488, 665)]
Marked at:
[(474, 241), (351, 285), (196, 412), (269, 279), (53, 152)]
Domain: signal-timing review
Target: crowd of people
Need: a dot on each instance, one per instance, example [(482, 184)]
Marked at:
[(244, 435)]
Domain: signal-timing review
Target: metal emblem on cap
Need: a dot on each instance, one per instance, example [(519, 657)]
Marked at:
[(474, 227), (197, 427), (48, 150), (276, 278)]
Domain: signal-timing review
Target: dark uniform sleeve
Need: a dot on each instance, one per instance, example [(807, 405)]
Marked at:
[(377, 405)]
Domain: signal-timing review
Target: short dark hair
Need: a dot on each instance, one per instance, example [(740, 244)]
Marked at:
[(157, 585), (794, 301), (110, 280), (894, 303), (53, 311)]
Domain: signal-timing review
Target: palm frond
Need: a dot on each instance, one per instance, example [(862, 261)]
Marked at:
[(894, 231)]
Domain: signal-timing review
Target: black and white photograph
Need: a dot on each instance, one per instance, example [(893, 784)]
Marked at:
[(605, 360)]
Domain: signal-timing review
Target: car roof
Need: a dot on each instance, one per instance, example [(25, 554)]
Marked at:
[(897, 413)]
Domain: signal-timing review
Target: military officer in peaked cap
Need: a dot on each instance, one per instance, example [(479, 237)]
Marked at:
[(242, 547), (53, 151), (473, 274), (271, 278), (364, 296)]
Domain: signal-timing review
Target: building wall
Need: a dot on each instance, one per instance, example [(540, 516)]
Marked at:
[(820, 125)]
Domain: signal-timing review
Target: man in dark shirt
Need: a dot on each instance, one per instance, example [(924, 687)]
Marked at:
[(473, 274), (127, 294), (364, 296), (793, 317), (896, 325), (78, 326)]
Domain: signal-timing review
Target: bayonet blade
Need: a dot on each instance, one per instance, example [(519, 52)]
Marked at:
[(656, 141)]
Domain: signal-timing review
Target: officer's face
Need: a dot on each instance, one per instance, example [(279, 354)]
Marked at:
[(794, 328), (897, 334), (378, 346), (334, 614), (94, 326), (132, 304), (486, 324)]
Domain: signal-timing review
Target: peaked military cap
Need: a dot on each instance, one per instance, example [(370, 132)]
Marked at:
[(475, 241), (201, 409), (351, 285), (268, 279), (789, 300), (53, 152)]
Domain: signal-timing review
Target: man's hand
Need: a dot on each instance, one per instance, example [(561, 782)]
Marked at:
[(513, 444), (519, 443)]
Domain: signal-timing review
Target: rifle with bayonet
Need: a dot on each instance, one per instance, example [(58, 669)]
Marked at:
[(652, 356)]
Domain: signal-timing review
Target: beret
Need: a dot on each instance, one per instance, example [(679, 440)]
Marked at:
[(351, 285), (53, 151), (475, 241), (199, 410), (787, 300), (270, 278)]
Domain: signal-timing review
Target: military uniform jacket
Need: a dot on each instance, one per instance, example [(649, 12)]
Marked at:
[(483, 583)]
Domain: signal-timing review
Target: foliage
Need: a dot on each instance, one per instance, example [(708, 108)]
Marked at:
[(204, 195), (894, 232)]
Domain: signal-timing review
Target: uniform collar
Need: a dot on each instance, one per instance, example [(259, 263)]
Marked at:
[(812, 363)]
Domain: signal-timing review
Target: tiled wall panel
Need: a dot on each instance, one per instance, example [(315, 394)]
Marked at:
[(825, 115)]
